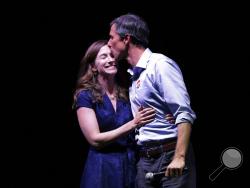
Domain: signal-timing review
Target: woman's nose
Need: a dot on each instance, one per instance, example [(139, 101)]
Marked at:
[(111, 58)]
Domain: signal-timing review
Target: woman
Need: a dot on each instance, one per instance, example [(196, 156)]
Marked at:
[(106, 120)]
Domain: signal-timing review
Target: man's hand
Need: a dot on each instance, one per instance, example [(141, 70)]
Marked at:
[(175, 168)]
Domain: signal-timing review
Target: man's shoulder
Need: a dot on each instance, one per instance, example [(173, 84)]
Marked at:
[(159, 58)]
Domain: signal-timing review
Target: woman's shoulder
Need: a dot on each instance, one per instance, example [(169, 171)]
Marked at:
[(86, 93), (84, 99)]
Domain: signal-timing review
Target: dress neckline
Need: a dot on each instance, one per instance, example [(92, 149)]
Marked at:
[(112, 102)]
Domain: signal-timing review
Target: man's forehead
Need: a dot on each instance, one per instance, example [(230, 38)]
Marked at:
[(113, 29)]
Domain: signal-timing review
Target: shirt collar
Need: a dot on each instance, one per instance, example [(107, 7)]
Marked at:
[(143, 61)]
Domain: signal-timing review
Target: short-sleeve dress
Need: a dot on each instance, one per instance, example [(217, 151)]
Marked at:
[(114, 165)]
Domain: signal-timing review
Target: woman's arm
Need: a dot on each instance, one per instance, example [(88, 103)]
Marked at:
[(89, 126)]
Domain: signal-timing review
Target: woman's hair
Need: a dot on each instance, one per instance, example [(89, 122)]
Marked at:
[(133, 25), (87, 78)]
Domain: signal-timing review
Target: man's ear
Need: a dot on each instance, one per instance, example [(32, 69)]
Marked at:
[(126, 39)]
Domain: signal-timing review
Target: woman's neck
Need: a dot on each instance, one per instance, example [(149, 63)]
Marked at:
[(108, 84)]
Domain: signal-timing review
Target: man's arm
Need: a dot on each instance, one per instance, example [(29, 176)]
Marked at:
[(177, 165), (169, 75)]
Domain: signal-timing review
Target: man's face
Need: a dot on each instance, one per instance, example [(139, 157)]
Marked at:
[(117, 44)]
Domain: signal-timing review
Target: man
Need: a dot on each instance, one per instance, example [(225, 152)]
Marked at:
[(157, 82)]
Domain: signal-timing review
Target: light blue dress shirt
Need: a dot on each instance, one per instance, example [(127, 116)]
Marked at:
[(160, 86)]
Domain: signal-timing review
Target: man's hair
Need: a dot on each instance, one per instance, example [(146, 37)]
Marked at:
[(133, 25)]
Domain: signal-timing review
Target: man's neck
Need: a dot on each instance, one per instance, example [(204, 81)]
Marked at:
[(134, 54)]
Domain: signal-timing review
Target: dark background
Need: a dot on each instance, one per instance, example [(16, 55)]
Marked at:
[(45, 43)]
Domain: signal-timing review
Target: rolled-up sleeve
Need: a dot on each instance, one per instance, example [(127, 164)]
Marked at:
[(170, 83)]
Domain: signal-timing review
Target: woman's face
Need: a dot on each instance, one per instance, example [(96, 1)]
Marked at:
[(105, 62)]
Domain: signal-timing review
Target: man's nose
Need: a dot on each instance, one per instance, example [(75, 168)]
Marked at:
[(109, 45)]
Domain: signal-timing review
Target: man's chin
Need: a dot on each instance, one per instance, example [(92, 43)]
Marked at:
[(120, 58)]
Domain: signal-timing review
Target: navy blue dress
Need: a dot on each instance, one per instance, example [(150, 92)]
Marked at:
[(114, 165)]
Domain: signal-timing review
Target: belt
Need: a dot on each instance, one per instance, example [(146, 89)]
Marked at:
[(156, 150)]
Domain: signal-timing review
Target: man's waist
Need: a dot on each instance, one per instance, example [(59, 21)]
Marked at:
[(152, 143), (146, 135), (153, 148)]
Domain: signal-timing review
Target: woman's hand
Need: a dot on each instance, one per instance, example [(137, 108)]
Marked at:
[(170, 118), (144, 116)]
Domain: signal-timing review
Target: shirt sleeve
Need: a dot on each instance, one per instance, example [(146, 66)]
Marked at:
[(170, 83), (84, 99)]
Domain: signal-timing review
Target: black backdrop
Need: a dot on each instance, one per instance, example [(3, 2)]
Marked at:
[(209, 41)]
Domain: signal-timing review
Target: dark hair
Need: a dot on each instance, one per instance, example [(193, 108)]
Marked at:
[(133, 25), (87, 79)]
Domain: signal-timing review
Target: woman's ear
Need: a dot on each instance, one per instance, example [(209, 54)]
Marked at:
[(94, 69)]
